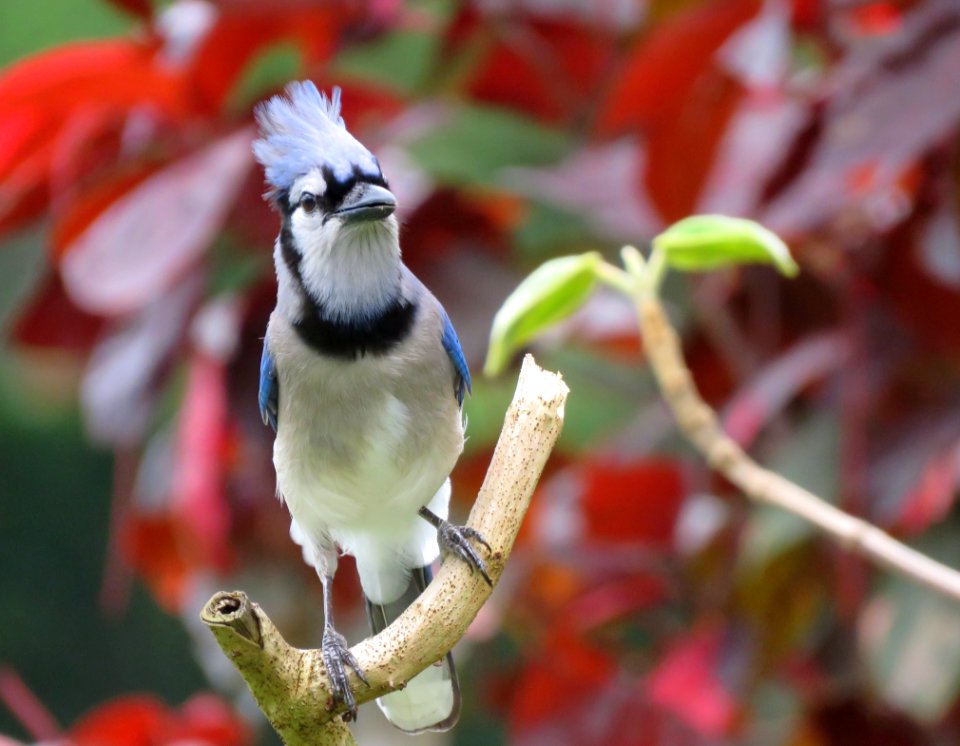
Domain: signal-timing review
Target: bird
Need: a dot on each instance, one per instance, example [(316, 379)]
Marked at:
[(362, 379)]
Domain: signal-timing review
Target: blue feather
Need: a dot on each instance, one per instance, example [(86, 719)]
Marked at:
[(269, 394), (451, 343), (304, 130)]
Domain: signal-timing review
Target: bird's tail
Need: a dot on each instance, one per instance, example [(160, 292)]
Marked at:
[(431, 699)]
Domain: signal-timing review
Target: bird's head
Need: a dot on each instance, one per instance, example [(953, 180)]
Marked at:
[(328, 186)]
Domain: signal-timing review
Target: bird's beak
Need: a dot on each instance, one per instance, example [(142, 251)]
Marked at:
[(367, 202)]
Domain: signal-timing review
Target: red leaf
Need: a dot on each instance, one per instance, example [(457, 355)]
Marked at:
[(119, 73), (665, 65), (918, 299), (127, 255), (636, 501), (568, 674), (55, 106), (78, 214), (124, 375), (439, 223), (934, 494), (241, 32), (155, 546), (206, 719), (876, 19), (686, 682), (25, 171), (681, 149), (599, 183), (573, 693), (773, 387), (543, 67), (20, 133), (198, 487), (52, 320), (808, 15), (52, 156), (143, 720), (26, 708), (863, 174), (612, 600), (128, 721)]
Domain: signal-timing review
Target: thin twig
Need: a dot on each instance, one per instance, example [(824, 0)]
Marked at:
[(291, 685), (699, 422)]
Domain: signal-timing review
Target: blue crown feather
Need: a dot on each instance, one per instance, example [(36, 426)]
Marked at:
[(303, 130)]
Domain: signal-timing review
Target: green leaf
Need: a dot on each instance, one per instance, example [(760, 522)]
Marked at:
[(267, 71), (400, 61), (551, 293), (547, 230), (810, 458), (910, 640), (477, 142), (26, 28), (705, 242)]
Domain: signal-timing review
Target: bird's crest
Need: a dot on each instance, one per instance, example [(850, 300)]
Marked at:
[(302, 130)]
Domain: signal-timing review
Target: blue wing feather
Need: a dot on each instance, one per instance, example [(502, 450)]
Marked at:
[(269, 395), (452, 345)]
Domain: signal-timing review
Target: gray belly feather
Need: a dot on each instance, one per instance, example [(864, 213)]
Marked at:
[(362, 444)]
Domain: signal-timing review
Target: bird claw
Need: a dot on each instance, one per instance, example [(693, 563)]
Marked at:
[(455, 540), (337, 657)]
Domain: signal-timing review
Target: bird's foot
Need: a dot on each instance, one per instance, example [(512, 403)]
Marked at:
[(456, 540), (337, 657)]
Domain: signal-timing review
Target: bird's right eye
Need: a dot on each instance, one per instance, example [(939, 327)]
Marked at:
[(308, 202)]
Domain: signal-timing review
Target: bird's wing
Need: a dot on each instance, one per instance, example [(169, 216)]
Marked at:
[(452, 345), (269, 395)]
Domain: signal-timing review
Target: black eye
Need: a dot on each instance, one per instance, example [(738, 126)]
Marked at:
[(308, 202)]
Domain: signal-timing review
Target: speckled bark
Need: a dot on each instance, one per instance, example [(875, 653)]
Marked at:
[(291, 685)]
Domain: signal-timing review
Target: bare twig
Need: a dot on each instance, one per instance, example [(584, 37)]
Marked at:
[(699, 422), (291, 685)]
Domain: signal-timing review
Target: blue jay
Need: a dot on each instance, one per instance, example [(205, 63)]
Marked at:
[(362, 378)]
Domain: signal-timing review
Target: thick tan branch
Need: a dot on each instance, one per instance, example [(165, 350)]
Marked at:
[(699, 423), (291, 685)]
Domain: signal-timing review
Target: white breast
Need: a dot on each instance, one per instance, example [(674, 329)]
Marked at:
[(362, 445)]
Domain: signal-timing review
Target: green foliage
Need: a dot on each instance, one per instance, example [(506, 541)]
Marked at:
[(705, 242), (550, 294), (22, 262), (911, 641), (546, 228), (25, 28), (810, 458), (478, 141), (53, 529), (268, 71), (560, 286), (400, 62)]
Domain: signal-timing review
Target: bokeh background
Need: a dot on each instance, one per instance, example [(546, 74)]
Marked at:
[(647, 603)]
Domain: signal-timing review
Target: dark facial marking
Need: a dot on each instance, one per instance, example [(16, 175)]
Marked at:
[(332, 198), (282, 201), (288, 250)]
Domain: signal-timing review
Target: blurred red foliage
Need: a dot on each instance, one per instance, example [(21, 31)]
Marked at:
[(652, 608), (144, 721), (131, 720)]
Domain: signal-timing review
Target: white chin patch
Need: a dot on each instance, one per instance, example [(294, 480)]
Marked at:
[(352, 268)]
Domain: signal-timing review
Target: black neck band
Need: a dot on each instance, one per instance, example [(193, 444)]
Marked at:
[(346, 338)]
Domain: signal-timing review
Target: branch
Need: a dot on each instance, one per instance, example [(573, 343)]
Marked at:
[(291, 685), (699, 422)]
